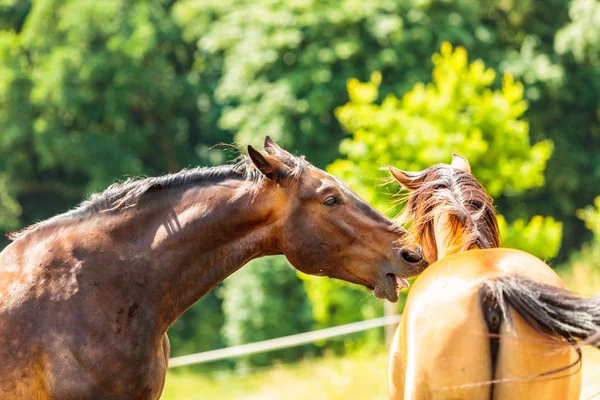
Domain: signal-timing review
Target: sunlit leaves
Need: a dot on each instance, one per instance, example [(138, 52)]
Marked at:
[(540, 236), (591, 216), (582, 35), (458, 112)]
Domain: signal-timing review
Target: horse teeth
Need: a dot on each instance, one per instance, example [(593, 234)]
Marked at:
[(402, 283)]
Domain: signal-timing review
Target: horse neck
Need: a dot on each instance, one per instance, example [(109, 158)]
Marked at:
[(196, 238), (450, 236)]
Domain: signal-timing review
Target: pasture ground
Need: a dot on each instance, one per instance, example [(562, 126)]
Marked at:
[(357, 376)]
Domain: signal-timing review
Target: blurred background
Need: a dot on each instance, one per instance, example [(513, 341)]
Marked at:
[(95, 91)]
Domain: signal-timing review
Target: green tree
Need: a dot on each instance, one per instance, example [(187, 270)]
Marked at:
[(540, 235), (285, 63), (582, 271), (458, 111), (265, 300), (591, 216), (199, 328), (553, 49), (9, 208), (337, 302)]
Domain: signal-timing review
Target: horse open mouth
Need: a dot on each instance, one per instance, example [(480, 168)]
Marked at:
[(389, 287), (400, 282)]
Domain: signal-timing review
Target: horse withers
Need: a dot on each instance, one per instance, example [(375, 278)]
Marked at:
[(481, 322), (86, 297)]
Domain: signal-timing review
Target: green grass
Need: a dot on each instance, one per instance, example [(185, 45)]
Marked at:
[(357, 376)]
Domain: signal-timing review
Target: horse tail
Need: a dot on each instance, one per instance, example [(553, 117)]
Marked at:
[(549, 310)]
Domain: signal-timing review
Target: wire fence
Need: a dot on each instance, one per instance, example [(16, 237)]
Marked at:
[(282, 342)]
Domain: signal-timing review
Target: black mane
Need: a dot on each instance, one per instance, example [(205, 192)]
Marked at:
[(126, 194)]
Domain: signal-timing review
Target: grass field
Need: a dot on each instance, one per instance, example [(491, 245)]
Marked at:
[(357, 376)]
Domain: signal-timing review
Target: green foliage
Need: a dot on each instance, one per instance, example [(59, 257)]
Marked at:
[(591, 216), (9, 208), (541, 236), (104, 89), (90, 92), (457, 112), (198, 330), (582, 271), (285, 63), (557, 60), (581, 36), (337, 302), (264, 300)]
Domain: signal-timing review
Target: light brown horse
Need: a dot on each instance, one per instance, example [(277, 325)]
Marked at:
[(481, 322), (86, 297)]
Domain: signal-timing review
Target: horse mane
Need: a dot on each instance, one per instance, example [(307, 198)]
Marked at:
[(122, 195), (444, 189)]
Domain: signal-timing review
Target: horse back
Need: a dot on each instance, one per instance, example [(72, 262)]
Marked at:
[(444, 349)]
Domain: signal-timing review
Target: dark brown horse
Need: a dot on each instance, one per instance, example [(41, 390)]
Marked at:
[(481, 322), (86, 297)]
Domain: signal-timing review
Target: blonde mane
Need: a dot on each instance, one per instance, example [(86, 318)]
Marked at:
[(456, 193)]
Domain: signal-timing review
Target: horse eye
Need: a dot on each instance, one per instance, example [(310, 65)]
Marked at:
[(331, 201)]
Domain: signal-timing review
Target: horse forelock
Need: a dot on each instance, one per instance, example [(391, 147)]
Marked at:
[(458, 195)]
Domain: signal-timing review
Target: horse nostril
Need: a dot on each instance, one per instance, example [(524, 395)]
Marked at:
[(410, 256)]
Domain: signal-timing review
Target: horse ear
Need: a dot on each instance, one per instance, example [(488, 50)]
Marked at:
[(408, 180), (461, 163), (274, 149), (271, 167)]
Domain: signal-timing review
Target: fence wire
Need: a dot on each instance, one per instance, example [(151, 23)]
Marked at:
[(282, 342)]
